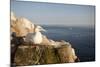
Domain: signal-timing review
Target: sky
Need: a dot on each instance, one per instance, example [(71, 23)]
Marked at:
[(55, 14)]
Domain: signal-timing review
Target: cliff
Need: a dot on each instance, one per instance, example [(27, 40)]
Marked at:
[(27, 54), (46, 52)]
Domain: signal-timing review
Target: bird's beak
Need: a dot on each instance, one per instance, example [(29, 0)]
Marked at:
[(43, 30)]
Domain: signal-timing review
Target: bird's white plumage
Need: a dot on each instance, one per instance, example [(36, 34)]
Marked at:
[(36, 37)]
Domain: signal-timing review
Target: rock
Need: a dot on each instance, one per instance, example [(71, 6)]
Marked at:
[(21, 26), (45, 41), (27, 53), (66, 54), (43, 54), (57, 44), (36, 55)]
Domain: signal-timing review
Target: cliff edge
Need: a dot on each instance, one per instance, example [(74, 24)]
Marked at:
[(28, 54)]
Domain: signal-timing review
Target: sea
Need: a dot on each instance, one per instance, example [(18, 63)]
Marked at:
[(81, 38)]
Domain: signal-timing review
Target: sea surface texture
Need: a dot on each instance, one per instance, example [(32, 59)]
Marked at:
[(81, 38)]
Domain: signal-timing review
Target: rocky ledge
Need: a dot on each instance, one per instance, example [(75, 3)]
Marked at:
[(27, 54)]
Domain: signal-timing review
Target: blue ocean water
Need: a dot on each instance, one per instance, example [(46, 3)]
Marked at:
[(81, 38)]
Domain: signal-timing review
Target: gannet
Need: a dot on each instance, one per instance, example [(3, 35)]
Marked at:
[(36, 37)]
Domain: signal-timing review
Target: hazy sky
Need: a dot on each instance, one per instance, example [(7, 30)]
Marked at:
[(60, 14)]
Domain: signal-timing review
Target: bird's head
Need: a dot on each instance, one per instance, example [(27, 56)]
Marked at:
[(39, 28)]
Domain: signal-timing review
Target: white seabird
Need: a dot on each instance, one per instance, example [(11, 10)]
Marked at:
[(36, 37)]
